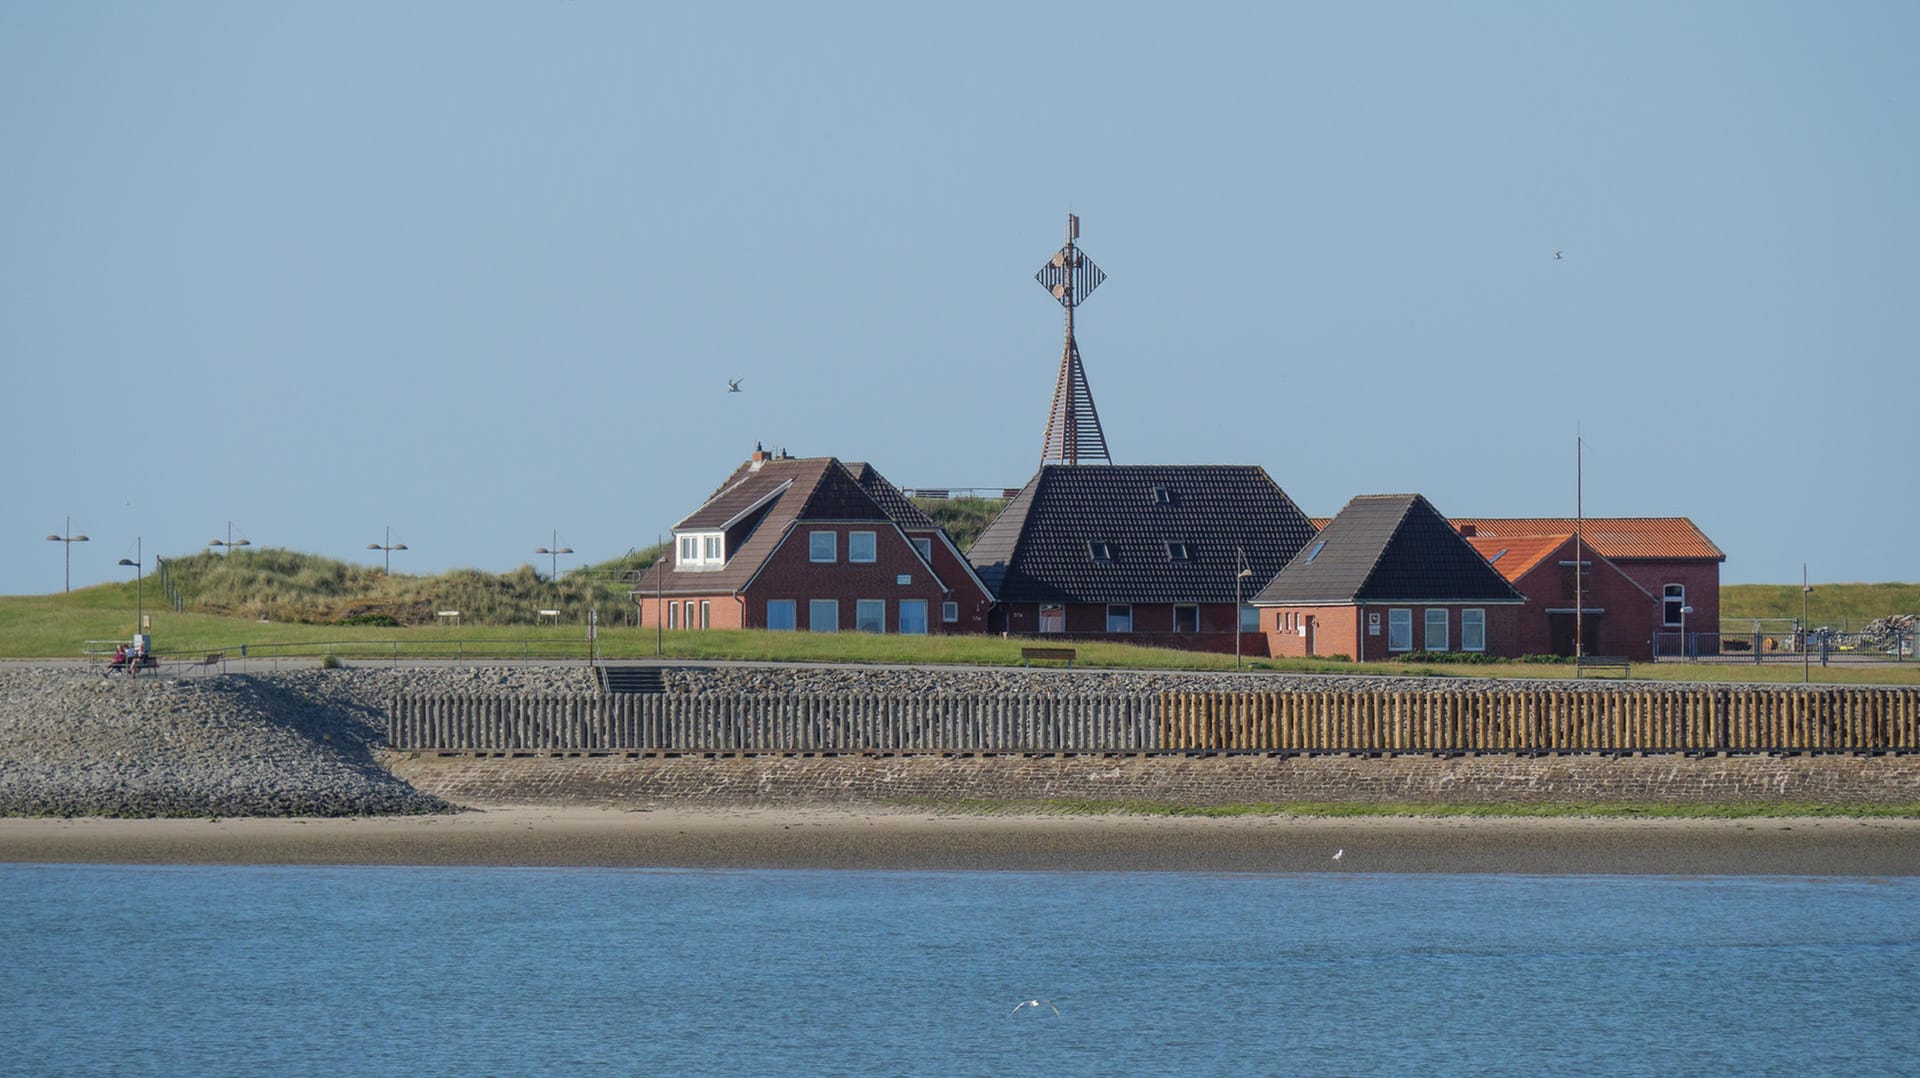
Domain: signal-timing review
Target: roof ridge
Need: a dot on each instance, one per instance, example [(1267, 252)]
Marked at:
[(1401, 522)]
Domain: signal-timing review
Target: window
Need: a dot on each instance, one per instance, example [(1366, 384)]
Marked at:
[(706, 614), (870, 616), (711, 547), (1315, 552), (1186, 618), (1399, 630), (1473, 630), (925, 547), (903, 579), (1100, 551), (822, 546), (1435, 638), (913, 617), (673, 615), (1053, 618), (1249, 618), (949, 612), (1162, 496), (861, 547), (1119, 618), (780, 614), (1178, 552), (703, 551), (823, 615), (689, 549), (1675, 598)]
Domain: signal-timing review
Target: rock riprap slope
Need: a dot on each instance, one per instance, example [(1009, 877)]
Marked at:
[(74, 742)]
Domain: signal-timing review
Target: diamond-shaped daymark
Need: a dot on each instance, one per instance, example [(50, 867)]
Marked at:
[(1069, 276)]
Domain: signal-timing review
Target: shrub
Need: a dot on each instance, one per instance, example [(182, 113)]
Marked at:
[(330, 662), (385, 621), (1468, 658)]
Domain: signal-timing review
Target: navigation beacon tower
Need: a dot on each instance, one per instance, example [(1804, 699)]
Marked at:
[(1073, 425)]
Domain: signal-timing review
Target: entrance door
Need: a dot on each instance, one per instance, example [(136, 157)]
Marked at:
[(1561, 633)]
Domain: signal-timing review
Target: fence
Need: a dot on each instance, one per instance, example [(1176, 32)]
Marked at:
[(1307, 721)]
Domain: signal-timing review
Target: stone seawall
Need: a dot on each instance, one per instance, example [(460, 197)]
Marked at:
[(1200, 780)]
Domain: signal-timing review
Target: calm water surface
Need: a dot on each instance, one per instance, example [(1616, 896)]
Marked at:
[(215, 970)]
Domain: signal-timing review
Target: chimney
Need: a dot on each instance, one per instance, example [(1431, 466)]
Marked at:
[(760, 455), (1469, 531)]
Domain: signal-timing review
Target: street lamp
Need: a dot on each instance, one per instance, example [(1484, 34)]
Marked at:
[(69, 539), (555, 551), (1806, 595), (139, 586), (1243, 574), (230, 541), (1685, 651), (389, 547)]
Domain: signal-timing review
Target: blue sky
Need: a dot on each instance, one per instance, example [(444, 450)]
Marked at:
[(482, 271)]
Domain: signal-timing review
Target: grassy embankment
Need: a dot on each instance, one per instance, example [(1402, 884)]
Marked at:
[(1617, 810), (1849, 606)]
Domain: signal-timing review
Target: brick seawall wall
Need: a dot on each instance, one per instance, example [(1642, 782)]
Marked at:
[(1200, 780)]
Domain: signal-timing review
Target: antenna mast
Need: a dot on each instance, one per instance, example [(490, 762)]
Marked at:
[(1073, 424)]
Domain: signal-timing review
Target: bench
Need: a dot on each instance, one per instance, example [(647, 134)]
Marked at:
[(214, 658), (1028, 654), (1602, 662)]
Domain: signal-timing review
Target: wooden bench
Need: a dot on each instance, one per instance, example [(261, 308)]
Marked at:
[(214, 658), (1602, 662), (1028, 654)]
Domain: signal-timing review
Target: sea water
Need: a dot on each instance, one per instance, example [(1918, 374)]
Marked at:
[(379, 970)]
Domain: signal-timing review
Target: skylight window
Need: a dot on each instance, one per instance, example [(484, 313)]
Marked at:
[(1162, 496), (1100, 551), (1315, 552), (1179, 552), (1497, 557)]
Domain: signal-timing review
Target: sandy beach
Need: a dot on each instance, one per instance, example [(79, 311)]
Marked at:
[(827, 838)]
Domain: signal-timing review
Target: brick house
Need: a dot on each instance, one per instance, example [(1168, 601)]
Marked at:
[(1139, 553), (1616, 615), (813, 545), (1669, 557), (1387, 577)]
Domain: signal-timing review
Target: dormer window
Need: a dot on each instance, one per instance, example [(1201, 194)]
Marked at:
[(702, 550), (1179, 552), (1100, 551)]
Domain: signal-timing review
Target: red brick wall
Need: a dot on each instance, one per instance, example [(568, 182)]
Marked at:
[(1702, 581), (789, 574), (975, 604), (724, 612), (1626, 628), (1152, 626), (1342, 630)]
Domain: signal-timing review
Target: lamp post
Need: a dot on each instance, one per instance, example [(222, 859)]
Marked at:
[(388, 547), (1806, 595), (1238, 577), (230, 542), (1686, 653), (68, 539), (139, 586), (554, 551)]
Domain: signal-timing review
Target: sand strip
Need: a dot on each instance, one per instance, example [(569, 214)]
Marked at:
[(866, 839)]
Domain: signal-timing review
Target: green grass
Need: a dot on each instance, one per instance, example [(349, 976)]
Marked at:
[(1630, 810), (1850, 606)]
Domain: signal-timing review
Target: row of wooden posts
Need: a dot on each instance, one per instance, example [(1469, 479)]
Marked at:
[(1692, 719)]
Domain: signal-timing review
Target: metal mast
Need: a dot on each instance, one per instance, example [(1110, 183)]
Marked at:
[(1073, 424)]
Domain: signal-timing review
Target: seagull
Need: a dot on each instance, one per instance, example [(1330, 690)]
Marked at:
[(1339, 853), (733, 384), (1035, 1003), (1557, 255)]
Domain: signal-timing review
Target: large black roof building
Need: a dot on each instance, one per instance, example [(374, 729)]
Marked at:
[(1386, 548), (1140, 533)]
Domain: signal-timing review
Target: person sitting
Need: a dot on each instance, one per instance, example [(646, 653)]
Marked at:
[(119, 658)]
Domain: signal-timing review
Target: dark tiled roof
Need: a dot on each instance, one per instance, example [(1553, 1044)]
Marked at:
[(1038, 548), (904, 513), (1388, 548)]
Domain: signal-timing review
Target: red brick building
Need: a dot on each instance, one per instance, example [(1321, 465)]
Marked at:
[(1615, 617), (811, 545), (1388, 577), (1669, 557)]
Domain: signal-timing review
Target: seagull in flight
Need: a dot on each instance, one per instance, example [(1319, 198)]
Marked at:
[(1035, 1003), (1339, 853), (733, 384), (1557, 254)]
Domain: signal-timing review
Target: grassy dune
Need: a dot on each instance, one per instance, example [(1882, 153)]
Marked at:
[(1837, 605)]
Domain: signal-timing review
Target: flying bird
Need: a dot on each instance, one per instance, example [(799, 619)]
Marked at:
[(733, 384), (1557, 254), (1035, 1003), (1339, 853)]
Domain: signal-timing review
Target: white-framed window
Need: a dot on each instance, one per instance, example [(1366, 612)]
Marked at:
[(913, 617), (949, 612), (704, 550), (1119, 618), (673, 615), (1435, 637), (1673, 600), (1249, 618), (780, 614), (710, 548), (925, 546), (706, 614), (689, 549), (863, 547), (823, 615), (1399, 630), (1186, 618), (1473, 630), (1053, 618), (823, 546), (870, 616)]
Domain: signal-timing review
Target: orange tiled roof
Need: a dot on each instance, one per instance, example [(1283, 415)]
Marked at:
[(1515, 556), (1613, 538)]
